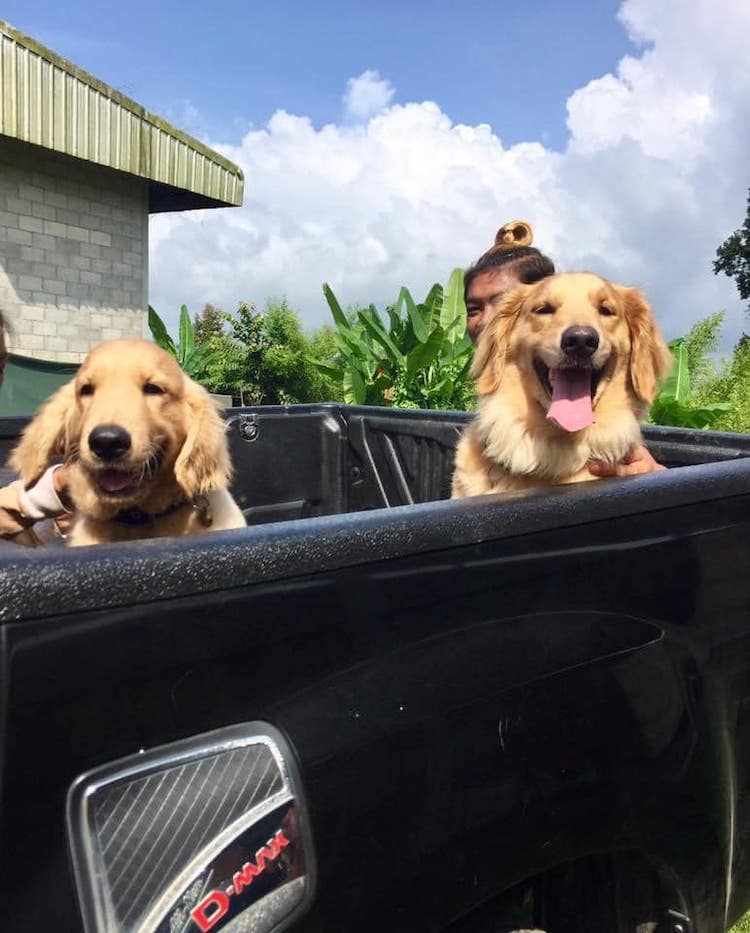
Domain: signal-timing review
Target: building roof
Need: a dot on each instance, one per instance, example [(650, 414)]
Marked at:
[(47, 101)]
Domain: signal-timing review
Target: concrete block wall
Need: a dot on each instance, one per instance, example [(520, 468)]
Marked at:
[(73, 253)]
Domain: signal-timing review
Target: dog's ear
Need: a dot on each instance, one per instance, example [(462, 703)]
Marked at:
[(203, 463), (489, 357), (50, 435), (650, 358)]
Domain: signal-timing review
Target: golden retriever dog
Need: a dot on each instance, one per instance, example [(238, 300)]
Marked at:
[(566, 370), (147, 447)]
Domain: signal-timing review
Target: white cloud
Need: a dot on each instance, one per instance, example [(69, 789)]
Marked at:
[(367, 95), (653, 179)]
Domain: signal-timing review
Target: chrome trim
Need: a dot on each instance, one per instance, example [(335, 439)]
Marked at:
[(90, 871)]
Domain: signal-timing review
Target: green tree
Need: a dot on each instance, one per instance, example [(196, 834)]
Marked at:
[(701, 341), (275, 353), (256, 357), (208, 324), (327, 387), (287, 376), (730, 385), (247, 326), (734, 257), (226, 373), (247, 333)]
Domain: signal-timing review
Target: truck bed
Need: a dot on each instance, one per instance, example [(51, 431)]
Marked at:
[(478, 695)]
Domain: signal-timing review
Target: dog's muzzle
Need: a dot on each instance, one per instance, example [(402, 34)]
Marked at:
[(579, 344), (109, 442)]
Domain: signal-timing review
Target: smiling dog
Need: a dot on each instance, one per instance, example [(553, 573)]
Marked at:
[(148, 449), (566, 370)]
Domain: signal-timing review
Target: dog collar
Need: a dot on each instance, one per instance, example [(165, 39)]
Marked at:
[(136, 516)]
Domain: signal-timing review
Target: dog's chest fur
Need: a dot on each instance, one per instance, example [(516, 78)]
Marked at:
[(512, 447), (185, 520)]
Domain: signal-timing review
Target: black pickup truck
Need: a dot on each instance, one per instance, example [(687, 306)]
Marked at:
[(376, 709)]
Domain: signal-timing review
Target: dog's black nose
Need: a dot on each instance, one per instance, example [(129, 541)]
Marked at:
[(109, 441), (580, 342)]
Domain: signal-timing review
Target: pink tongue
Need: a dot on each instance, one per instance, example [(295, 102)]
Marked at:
[(571, 398), (115, 480)]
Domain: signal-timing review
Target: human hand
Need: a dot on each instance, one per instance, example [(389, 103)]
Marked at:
[(638, 461), (64, 523), (60, 476)]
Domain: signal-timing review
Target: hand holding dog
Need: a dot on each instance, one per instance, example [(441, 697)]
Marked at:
[(635, 463)]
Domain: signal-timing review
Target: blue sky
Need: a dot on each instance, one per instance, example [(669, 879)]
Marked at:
[(512, 65), (384, 143)]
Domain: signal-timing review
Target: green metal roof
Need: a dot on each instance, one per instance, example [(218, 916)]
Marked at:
[(47, 101)]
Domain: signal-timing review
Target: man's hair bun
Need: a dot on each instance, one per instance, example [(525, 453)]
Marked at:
[(514, 234)]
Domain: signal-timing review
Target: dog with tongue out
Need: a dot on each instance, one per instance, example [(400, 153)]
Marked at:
[(565, 372)]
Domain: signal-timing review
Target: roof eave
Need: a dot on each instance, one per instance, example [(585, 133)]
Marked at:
[(49, 102)]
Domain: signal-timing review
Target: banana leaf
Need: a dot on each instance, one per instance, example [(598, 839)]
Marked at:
[(354, 387), (453, 312), (159, 332), (187, 335), (677, 384), (425, 353), (327, 369), (416, 315), (351, 345), (371, 321), (394, 315), (433, 305), (669, 411), (338, 315)]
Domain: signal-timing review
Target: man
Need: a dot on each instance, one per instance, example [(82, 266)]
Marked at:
[(510, 262)]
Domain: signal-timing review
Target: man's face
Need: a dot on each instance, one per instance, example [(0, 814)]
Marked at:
[(484, 288)]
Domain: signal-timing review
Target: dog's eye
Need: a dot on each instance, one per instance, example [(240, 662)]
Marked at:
[(86, 389), (151, 388), (606, 311), (544, 309)]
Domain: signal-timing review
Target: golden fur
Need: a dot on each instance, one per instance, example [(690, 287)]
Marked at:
[(178, 451), (511, 444)]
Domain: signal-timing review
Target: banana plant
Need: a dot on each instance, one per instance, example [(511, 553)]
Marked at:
[(193, 360), (671, 406), (420, 358)]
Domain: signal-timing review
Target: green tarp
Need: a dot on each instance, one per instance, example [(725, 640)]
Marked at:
[(30, 382)]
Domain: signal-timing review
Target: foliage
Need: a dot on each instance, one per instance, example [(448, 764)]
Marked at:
[(742, 925), (716, 392), (734, 257), (730, 384), (286, 375), (701, 343), (208, 324), (262, 357), (193, 359), (421, 359), (238, 351), (674, 405)]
